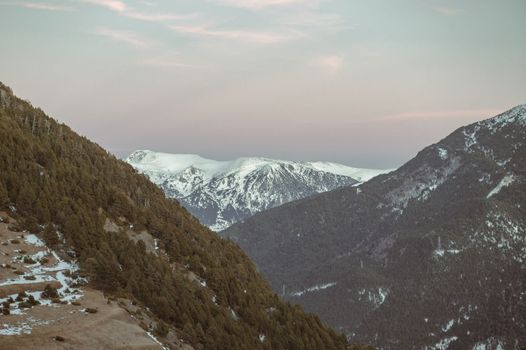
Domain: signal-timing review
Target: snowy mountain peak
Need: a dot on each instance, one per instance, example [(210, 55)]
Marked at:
[(220, 193), (516, 115)]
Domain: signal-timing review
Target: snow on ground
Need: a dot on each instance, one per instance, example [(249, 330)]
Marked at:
[(145, 160), (421, 185), (448, 325), (442, 153), (503, 232), (376, 296), (60, 272), (22, 280), (470, 138), (443, 344), (244, 185), (359, 174), (514, 115), (489, 344), (505, 182), (442, 252), (157, 341), (32, 239), (315, 288), (20, 328)]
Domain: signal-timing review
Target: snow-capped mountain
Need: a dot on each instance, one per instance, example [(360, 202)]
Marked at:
[(221, 193), (430, 256)]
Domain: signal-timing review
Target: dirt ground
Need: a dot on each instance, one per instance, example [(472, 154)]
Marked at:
[(64, 325), (110, 328)]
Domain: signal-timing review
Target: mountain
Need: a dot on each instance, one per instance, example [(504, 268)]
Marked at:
[(93, 255), (430, 256), (220, 193)]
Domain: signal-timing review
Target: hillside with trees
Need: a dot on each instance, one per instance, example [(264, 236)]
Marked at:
[(82, 200)]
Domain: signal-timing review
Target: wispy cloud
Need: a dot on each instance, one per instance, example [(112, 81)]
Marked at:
[(257, 37), (447, 11), (331, 64), (114, 5), (311, 19), (261, 4), (39, 6), (125, 37), (158, 17), (124, 10)]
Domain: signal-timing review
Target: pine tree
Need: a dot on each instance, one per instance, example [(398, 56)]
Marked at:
[(161, 329), (4, 196), (50, 235)]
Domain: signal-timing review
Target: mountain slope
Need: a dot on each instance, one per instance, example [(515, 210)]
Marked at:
[(220, 193), (131, 242), (432, 255)]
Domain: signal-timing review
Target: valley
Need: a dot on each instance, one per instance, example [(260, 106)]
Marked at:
[(262, 175)]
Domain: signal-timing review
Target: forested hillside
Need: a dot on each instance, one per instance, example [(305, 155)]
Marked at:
[(84, 201)]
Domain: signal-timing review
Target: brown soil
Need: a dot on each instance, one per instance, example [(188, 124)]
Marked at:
[(111, 327)]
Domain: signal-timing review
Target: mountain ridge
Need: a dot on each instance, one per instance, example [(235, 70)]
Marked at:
[(220, 193), (452, 217)]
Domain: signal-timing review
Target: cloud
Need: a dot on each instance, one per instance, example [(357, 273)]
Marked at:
[(124, 10), (114, 5), (322, 21), (126, 37), (39, 6), (257, 37), (261, 4), (157, 17), (330, 63), (447, 11)]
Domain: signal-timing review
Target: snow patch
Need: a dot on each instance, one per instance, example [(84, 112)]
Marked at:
[(505, 182), (443, 344), (33, 240), (420, 185), (22, 327), (375, 296), (157, 341), (442, 153), (448, 326), (315, 288), (470, 138), (503, 232), (516, 115), (60, 272), (489, 344)]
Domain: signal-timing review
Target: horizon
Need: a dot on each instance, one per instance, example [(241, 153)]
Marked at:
[(365, 85), (123, 154)]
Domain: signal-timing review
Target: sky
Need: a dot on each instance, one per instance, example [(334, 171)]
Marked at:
[(364, 83)]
